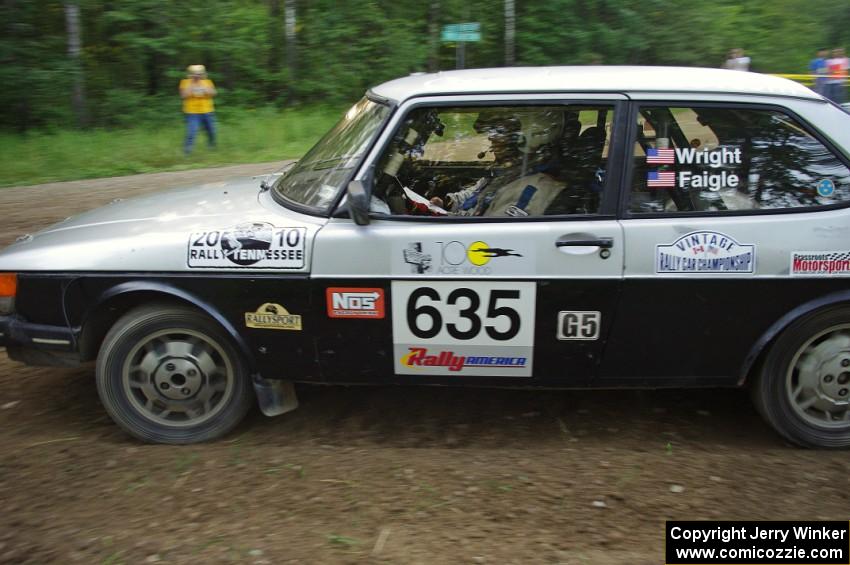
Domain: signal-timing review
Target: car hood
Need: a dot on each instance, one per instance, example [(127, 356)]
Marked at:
[(187, 204), (151, 233)]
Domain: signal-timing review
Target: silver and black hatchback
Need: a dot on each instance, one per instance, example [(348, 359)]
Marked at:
[(527, 227)]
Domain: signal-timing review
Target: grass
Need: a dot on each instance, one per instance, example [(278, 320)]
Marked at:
[(244, 136)]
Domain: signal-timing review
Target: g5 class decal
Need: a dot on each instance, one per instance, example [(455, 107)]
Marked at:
[(705, 252), (463, 328), (271, 316), (457, 258), (579, 325), (255, 245), (820, 263)]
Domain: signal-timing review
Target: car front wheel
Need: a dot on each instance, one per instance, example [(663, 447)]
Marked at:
[(803, 389), (170, 374)]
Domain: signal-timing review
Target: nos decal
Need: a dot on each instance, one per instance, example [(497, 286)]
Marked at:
[(355, 303)]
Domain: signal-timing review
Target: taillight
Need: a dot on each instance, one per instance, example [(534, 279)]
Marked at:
[(8, 290)]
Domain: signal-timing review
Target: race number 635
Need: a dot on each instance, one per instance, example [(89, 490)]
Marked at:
[(463, 313)]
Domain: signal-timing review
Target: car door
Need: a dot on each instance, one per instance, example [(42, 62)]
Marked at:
[(517, 284), (734, 206)]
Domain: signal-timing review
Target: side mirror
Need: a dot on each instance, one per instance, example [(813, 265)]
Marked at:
[(358, 202)]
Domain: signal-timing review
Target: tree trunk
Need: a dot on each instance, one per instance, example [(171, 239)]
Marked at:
[(434, 36), (78, 93), (291, 54), (510, 22)]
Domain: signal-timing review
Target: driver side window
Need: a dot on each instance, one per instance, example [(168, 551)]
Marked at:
[(502, 161)]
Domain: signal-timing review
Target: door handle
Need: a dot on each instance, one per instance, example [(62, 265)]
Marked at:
[(603, 242)]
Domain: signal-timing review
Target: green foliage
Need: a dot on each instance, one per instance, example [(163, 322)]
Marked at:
[(245, 136), (134, 52)]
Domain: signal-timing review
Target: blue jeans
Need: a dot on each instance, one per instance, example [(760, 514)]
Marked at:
[(835, 91), (195, 121)]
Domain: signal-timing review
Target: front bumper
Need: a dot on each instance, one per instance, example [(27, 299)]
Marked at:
[(38, 344)]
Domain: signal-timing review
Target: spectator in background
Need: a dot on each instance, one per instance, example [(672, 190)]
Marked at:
[(836, 84), (197, 92), (737, 61), (819, 68)]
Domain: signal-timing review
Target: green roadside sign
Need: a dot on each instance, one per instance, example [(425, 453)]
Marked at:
[(470, 31)]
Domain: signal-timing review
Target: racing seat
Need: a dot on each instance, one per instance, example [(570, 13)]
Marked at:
[(581, 163)]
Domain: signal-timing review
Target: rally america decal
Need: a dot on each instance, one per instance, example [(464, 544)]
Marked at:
[(463, 328), (252, 245), (705, 252), (820, 263)]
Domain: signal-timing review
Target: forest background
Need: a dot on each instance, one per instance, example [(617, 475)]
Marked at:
[(89, 87)]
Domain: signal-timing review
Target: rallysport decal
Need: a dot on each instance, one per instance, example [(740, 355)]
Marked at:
[(271, 316), (355, 303), (252, 245), (463, 328), (705, 252), (461, 258), (820, 263)]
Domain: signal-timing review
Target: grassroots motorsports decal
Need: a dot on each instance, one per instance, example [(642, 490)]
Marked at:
[(355, 303), (272, 316), (477, 258), (705, 252), (711, 180), (820, 263), (254, 245)]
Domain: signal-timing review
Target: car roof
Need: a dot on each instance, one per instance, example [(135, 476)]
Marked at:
[(622, 79)]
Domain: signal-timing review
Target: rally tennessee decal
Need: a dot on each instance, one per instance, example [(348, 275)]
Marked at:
[(251, 245)]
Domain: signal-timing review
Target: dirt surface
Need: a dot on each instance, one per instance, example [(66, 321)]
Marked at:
[(382, 475)]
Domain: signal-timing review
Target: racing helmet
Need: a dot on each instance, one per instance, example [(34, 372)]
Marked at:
[(528, 129), (540, 127)]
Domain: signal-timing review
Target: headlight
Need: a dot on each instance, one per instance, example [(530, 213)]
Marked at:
[(8, 290)]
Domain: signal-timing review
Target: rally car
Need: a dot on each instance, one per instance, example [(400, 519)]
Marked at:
[(526, 227)]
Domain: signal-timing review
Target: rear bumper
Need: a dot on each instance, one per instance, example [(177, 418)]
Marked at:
[(38, 344)]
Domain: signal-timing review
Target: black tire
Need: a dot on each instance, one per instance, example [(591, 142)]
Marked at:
[(170, 374), (787, 366)]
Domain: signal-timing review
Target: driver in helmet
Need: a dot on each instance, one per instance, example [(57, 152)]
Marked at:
[(519, 183)]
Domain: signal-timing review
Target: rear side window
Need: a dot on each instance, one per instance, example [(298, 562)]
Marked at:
[(713, 159)]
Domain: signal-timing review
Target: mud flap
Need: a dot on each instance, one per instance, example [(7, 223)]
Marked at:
[(275, 396)]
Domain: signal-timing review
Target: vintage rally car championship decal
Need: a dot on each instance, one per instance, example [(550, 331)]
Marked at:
[(355, 302), (471, 258), (705, 252), (272, 316), (463, 328), (820, 263), (252, 245)]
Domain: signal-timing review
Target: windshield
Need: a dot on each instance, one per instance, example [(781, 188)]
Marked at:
[(316, 179)]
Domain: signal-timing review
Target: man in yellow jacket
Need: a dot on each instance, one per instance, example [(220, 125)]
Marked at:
[(197, 92)]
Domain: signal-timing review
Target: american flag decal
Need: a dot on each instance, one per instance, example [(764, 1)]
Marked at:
[(660, 179), (660, 157)]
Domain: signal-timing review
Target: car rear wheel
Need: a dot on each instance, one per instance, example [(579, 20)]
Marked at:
[(803, 389), (170, 374)]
